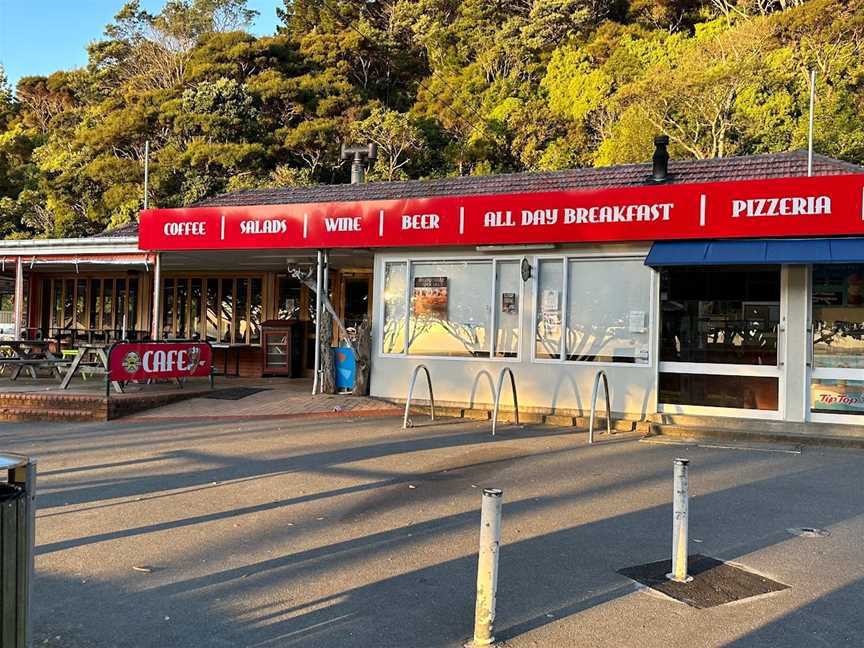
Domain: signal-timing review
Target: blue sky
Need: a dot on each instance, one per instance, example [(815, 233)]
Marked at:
[(38, 37)]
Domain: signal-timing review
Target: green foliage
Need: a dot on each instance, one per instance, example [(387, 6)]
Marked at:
[(443, 87)]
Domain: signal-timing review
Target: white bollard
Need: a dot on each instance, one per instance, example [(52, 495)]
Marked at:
[(680, 512), (487, 567)]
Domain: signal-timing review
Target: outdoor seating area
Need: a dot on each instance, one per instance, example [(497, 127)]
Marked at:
[(47, 361)]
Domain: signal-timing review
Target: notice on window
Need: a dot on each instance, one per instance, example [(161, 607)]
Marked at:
[(637, 321), (509, 305), (430, 297)]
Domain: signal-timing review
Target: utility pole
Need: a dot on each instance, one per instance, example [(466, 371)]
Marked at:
[(810, 125), (146, 173), (361, 156)]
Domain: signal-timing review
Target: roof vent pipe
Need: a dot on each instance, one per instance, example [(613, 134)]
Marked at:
[(660, 171)]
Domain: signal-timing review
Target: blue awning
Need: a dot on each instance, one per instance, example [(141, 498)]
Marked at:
[(756, 252)]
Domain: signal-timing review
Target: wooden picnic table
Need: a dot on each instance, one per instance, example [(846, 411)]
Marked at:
[(100, 367), (30, 355)]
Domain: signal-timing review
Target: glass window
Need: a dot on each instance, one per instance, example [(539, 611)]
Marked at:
[(68, 303), (550, 286), (241, 318), (80, 304), (95, 304), (256, 310), (450, 308), (608, 304), (507, 288), (226, 310), (180, 307), (168, 308), (195, 308), (393, 334), (108, 304), (720, 315), (288, 297), (838, 316), (212, 310), (712, 390)]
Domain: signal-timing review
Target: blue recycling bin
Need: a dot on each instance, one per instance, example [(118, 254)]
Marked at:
[(346, 368)]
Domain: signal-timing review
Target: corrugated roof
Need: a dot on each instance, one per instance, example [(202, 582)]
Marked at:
[(750, 167)]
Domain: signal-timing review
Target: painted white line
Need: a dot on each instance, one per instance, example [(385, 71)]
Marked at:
[(305, 224), (222, 229), (461, 220), (702, 210), (381, 223)]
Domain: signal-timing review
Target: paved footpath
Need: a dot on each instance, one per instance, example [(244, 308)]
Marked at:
[(352, 533), (278, 399)]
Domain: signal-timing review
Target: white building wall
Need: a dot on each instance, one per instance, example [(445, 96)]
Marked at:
[(543, 384)]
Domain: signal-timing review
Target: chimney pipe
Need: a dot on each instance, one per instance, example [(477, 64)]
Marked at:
[(660, 171)]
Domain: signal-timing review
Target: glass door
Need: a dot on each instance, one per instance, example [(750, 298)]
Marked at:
[(837, 350), (721, 341)]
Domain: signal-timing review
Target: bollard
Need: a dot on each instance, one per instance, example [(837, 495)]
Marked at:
[(487, 567), (680, 506)]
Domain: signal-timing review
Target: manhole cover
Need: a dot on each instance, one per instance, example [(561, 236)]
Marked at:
[(809, 532), (714, 582)]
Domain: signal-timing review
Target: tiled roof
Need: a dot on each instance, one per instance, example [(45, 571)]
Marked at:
[(750, 167), (129, 229)]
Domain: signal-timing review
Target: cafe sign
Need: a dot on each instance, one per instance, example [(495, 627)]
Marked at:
[(160, 360)]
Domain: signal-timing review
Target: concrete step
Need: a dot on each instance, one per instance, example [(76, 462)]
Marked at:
[(757, 433)]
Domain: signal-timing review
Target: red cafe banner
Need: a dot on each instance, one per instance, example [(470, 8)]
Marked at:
[(787, 207), (160, 360)]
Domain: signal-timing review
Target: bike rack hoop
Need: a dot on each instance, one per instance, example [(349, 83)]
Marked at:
[(600, 374), (504, 370), (411, 393)]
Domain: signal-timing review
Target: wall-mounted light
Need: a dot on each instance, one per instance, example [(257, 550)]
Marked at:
[(526, 269)]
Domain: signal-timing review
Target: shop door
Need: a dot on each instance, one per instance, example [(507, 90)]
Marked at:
[(836, 358), (721, 341)]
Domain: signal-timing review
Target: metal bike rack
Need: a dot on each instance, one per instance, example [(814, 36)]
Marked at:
[(498, 396), (405, 422), (600, 374)]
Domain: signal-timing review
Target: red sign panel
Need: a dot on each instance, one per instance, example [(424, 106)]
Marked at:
[(786, 207), (160, 360)]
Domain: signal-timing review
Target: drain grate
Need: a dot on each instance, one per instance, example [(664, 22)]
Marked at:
[(809, 532), (714, 581)]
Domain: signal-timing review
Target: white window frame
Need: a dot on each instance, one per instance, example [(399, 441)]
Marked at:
[(409, 278), (720, 369), (566, 259)]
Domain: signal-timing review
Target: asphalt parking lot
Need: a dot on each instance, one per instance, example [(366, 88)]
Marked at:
[(351, 532)]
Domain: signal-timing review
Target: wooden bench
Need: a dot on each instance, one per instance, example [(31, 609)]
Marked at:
[(32, 364)]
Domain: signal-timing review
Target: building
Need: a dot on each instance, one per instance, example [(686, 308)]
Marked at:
[(728, 287)]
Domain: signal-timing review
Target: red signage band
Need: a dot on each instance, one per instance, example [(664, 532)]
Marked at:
[(160, 360), (786, 207)]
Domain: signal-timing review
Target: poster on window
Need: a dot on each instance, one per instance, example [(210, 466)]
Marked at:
[(840, 396), (509, 304), (430, 297)]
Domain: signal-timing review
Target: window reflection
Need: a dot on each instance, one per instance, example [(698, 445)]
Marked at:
[(450, 309), (838, 316), (720, 315)]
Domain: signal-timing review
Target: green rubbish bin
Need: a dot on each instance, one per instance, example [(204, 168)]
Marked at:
[(17, 527)]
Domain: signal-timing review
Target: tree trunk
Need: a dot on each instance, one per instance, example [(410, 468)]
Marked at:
[(363, 357), (328, 369)]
